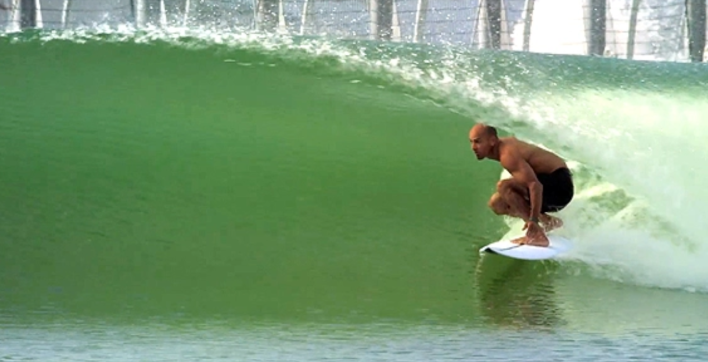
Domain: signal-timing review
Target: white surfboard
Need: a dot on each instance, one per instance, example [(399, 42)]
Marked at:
[(558, 245)]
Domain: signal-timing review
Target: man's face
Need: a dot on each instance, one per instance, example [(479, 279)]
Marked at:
[(481, 143)]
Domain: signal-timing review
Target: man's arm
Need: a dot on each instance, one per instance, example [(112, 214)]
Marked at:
[(522, 172)]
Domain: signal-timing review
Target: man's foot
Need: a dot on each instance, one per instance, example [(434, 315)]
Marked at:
[(550, 222), (524, 240)]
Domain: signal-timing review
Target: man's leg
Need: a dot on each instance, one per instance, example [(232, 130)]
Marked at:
[(498, 205), (557, 193), (512, 193), (511, 199)]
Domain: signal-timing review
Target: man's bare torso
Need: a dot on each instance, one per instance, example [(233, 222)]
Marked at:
[(540, 160)]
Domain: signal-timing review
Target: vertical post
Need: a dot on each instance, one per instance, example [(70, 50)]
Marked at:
[(282, 25), (373, 18), (505, 41), (255, 14), (632, 28), (65, 13), (385, 19), (306, 15), (381, 14), (163, 14), (494, 16), (596, 43), (395, 22), (696, 16), (267, 15), (38, 22), (139, 12), (528, 20), (611, 49), (28, 14), (187, 8), (15, 16), (480, 35), (421, 12)]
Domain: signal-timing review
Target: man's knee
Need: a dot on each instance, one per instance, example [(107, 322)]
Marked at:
[(498, 205), (505, 186), (509, 188)]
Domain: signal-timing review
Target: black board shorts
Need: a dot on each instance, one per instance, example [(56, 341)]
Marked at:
[(558, 189)]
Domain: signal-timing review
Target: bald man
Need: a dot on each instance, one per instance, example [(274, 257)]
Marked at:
[(540, 182)]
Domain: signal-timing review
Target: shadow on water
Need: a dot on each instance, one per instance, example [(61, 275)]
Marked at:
[(517, 293)]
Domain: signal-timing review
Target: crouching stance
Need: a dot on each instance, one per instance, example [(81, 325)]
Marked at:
[(540, 182)]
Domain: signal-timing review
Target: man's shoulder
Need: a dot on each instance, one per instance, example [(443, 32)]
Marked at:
[(515, 146), (509, 139), (514, 142), (510, 146), (509, 155)]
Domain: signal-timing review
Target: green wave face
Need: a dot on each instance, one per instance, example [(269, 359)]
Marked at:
[(248, 177)]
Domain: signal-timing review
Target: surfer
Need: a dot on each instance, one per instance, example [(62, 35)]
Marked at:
[(541, 182)]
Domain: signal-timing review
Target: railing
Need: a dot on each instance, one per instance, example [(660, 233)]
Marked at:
[(670, 30)]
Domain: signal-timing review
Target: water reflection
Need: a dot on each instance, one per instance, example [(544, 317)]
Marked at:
[(516, 293)]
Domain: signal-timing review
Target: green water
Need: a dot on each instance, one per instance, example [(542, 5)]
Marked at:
[(185, 194)]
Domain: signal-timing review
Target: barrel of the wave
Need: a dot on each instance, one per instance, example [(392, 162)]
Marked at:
[(181, 189)]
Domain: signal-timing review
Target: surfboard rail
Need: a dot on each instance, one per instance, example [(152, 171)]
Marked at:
[(505, 247)]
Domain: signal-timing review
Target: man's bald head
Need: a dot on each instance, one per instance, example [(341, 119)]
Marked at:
[(483, 138), (483, 129)]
